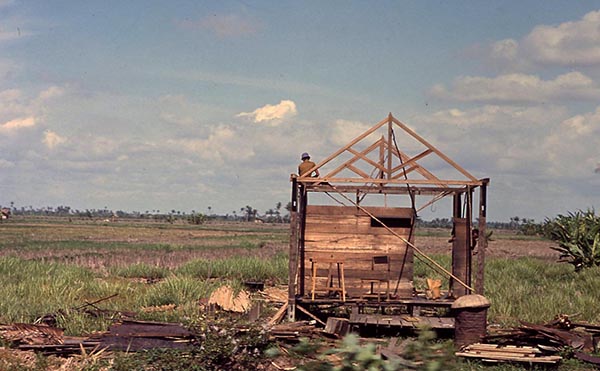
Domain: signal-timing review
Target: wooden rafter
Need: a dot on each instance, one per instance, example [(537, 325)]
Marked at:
[(385, 169), (430, 146), (357, 156)]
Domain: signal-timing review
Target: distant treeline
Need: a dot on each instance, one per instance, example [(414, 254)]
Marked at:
[(278, 214)]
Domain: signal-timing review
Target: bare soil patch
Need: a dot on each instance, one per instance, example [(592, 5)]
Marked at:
[(504, 247)]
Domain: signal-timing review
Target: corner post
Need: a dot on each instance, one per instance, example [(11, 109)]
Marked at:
[(482, 240), (293, 253)]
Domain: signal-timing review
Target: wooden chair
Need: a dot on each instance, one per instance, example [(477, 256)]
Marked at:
[(380, 275), (339, 264)]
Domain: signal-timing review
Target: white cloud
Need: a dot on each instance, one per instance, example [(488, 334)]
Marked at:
[(343, 131), (493, 116), (52, 92), (52, 140), (224, 26), (11, 104), (572, 146), (536, 143), (176, 109), (17, 124), (7, 67), (505, 49), (494, 140), (517, 87), (5, 164), (272, 114), (568, 44), (221, 145)]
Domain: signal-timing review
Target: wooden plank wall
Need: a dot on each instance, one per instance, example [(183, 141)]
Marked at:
[(346, 233)]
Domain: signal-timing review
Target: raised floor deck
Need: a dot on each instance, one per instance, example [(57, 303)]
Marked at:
[(404, 321)]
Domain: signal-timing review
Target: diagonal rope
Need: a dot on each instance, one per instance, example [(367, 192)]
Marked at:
[(420, 253)]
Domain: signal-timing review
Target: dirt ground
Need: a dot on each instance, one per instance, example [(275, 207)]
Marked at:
[(504, 247), (183, 243)]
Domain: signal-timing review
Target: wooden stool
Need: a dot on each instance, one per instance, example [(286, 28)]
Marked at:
[(340, 273)]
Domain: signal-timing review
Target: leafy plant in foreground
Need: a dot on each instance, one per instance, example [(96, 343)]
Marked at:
[(578, 238)]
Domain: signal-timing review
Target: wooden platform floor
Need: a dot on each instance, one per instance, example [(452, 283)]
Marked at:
[(404, 321)]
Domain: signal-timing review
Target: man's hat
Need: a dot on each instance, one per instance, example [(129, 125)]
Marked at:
[(305, 155)]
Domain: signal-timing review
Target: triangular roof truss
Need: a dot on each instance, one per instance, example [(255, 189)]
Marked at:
[(389, 166)]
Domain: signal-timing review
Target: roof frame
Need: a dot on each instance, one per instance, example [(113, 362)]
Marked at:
[(383, 172)]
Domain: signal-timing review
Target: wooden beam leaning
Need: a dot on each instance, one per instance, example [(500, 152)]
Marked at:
[(437, 151)]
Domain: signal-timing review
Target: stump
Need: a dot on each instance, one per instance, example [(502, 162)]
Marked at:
[(470, 319)]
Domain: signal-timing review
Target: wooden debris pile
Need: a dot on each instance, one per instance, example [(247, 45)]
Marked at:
[(126, 335), (226, 299), (27, 334), (547, 337), (502, 353), (533, 343), (294, 331), (138, 335)]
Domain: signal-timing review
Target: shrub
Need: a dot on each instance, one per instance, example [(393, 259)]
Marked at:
[(578, 238)]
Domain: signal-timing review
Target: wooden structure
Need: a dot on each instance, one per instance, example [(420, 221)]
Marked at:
[(358, 247)]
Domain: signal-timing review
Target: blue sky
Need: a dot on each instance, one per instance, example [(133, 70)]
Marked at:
[(144, 105)]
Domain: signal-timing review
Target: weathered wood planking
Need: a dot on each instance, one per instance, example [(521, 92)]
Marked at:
[(366, 243), (360, 260), (348, 234), (394, 212)]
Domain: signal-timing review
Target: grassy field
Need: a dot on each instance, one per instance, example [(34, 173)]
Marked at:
[(55, 268)]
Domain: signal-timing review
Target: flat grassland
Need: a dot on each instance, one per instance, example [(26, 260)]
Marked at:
[(163, 271), (100, 245)]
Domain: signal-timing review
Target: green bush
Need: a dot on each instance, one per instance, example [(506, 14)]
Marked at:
[(578, 238)]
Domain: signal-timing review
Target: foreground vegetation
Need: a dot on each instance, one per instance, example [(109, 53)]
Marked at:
[(57, 269)]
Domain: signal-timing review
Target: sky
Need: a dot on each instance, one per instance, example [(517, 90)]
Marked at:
[(185, 105)]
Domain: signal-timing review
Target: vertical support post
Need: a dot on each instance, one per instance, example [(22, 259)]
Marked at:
[(460, 248), (390, 141), (468, 243), (482, 240), (303, 201), (381, 174), (293, 253)]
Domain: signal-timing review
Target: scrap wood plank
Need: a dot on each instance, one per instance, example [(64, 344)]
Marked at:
[(278, 315), (148, 329), (493, 352), (503, 348), (303, 310), (497, 357)]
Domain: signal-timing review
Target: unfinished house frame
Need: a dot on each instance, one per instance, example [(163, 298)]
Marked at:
[(354, 252)]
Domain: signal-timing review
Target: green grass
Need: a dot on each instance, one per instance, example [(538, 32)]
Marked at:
[(239, 267), (424, 269), (141, 270), (57, 270), (532, 290)]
